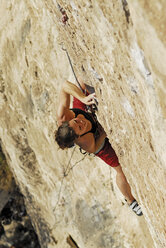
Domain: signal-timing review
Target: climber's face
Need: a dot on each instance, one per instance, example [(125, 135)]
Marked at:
[(80, 125)]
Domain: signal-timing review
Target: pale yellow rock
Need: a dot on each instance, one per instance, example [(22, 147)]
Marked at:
[(123, 57)]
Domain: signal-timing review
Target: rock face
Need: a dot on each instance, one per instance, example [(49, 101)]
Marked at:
[(119, 48), (16, 229), (15, 226), (6, 181)]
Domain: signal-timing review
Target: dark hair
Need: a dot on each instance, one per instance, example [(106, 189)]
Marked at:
[(65, 136)]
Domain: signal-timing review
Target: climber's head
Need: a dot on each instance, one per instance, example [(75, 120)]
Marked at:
[(65, 136)]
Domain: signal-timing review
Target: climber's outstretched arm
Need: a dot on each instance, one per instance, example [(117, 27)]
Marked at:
[(64, 99)]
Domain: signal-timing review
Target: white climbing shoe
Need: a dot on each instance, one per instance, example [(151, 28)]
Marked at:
[(136, 208)]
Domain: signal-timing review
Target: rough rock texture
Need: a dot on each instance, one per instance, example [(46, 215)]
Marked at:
[(15, 226), (16, 230), (118, 48), (6, 181)]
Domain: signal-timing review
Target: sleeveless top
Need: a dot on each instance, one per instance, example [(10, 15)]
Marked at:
[(89, 117)]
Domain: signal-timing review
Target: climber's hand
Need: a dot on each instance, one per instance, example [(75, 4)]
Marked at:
[(90, 99)]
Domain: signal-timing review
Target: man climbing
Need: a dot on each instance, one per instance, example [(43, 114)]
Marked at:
[(77, 126)]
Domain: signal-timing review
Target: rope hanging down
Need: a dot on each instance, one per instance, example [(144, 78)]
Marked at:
[(73, 69)]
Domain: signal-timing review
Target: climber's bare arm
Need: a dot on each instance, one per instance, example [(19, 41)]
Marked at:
[(63, 106), (71, 89), (63, 112)]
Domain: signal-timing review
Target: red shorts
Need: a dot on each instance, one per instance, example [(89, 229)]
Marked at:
[(107, 153), (78, 104)]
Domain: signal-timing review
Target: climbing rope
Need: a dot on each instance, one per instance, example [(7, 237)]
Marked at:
[(65, 18), (73, 69)]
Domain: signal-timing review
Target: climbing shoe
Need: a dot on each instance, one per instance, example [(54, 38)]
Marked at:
[(136, 208)]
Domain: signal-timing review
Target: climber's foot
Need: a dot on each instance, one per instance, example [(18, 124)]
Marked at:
[(136, 208)]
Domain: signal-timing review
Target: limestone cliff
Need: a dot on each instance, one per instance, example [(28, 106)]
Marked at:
[(119, 48)]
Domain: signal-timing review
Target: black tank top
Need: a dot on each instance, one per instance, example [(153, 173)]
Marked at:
[(88, 116)]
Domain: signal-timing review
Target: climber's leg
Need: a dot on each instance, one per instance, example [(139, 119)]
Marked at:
[(125, 189), (123, 184)]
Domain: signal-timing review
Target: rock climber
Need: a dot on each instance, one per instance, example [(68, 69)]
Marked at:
[(77, 126)]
